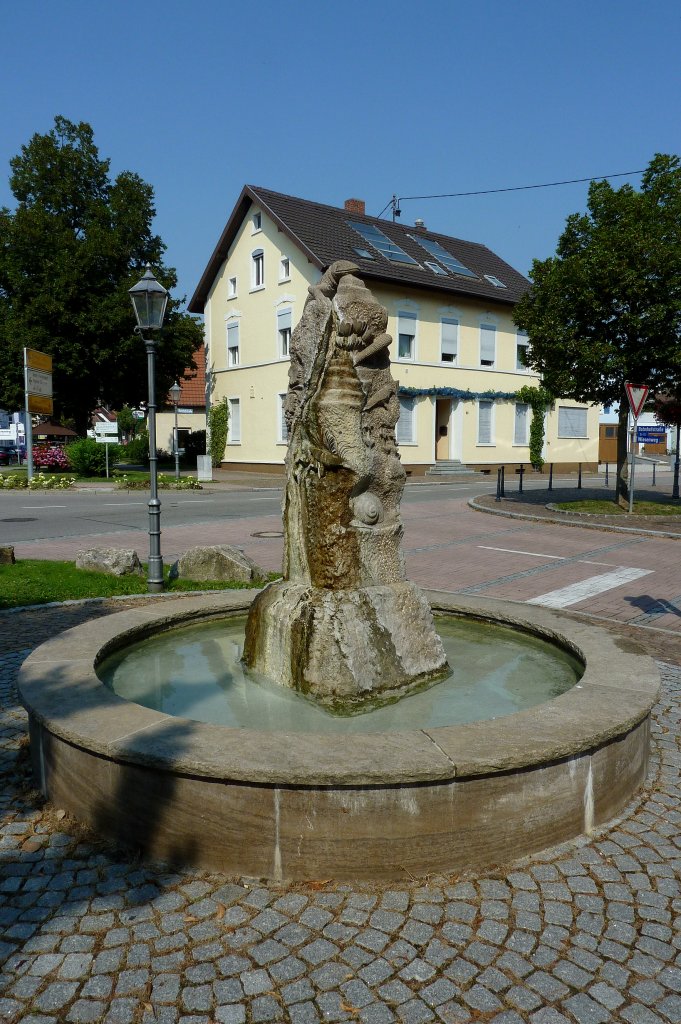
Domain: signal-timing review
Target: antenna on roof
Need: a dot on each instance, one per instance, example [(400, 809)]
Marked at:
[(395, 203)]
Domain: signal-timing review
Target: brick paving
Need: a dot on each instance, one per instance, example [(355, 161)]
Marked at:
[(588, 932)]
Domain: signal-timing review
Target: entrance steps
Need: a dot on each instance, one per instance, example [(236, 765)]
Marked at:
[(447, 467)]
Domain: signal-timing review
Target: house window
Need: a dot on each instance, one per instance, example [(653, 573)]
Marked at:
[(611, 431), (233, 343), (406, 335), (231, 288), (405, 424), (284, 268), (449, 333), (234, 425), (282, 429), (258, 269), (488, 344), (571, 422), (257, 222), (521, 346), (485, 422), (284, 332), (521, 423)]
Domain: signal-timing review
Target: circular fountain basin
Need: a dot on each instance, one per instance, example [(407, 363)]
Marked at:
[(196, 672), (281, 803)]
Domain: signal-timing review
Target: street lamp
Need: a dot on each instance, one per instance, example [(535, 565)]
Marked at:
[(175, 393), (149, 299)]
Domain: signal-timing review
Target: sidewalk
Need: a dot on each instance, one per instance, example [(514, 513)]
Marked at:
[(536, 505)]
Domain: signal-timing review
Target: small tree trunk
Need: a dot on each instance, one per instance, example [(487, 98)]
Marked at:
[(622, 484)]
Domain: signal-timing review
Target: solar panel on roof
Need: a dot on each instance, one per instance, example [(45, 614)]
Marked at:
[(445, 258), (381, 242)]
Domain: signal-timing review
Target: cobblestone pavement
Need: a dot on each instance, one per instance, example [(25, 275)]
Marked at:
[(587, 933)]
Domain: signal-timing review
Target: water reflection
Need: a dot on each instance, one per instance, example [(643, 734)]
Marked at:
[(195, 672)]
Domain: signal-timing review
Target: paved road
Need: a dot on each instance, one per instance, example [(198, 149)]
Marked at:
[(34, 515)]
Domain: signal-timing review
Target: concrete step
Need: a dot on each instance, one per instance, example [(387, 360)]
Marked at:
[(448, 467)]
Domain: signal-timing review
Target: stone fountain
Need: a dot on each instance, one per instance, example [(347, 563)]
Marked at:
[(342, 632), (344, 626)]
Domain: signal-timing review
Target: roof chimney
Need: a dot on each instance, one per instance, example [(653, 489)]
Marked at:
[(355, 206), (419, 224)]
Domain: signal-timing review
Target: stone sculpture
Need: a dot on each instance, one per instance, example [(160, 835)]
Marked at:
[(343, 626)]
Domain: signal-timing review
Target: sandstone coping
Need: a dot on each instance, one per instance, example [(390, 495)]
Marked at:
[(59, 687)]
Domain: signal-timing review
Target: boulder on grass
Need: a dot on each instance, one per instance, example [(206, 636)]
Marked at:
[(115, 561), (217, 562), (7, 554)]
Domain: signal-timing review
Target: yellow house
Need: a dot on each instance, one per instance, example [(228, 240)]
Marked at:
[(456, 353)]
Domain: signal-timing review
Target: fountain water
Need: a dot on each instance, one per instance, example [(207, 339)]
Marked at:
[(265, 795)]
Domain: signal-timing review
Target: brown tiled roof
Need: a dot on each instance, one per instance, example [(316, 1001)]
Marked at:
[(323, 234), (193, 383)]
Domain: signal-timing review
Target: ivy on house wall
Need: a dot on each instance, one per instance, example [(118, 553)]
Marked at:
[(219, 420), (538, 399)]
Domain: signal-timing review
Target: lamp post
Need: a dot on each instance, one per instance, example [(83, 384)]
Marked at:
[(149, 299), (175, 393)]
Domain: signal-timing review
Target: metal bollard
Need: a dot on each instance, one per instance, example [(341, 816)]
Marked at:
[(498, 497), (607, 479), (654, 468), (579, 478), (520, 478), (551, 477), (503, 481)]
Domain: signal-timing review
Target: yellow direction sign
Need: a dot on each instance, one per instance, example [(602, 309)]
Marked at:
[(38, 360), (38, 403)]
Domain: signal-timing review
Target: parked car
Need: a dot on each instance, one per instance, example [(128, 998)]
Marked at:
[(12, 454)]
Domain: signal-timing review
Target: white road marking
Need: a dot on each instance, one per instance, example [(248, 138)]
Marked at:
[(44, 506), (538, 554), (577, 592), (513, 551)]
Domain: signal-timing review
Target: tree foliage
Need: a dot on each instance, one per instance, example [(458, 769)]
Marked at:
[(69, 251), (607, 307)]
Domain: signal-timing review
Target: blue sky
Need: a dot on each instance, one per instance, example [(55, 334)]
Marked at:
[(331, 100)]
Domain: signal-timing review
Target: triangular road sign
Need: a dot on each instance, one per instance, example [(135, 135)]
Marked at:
[(637, 394)]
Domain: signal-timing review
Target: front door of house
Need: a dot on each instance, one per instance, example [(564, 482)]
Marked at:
[(443, 415)]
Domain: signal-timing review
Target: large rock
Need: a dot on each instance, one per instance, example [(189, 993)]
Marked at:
[(7, 554), (116, 561), (217, 562)]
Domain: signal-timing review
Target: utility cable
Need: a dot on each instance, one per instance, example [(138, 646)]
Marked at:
[(515, 188)]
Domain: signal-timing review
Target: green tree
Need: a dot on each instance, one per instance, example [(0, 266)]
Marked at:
[(69, 251), (127, 424), (607, 307)]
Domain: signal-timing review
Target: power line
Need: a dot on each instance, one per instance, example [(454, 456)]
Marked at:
[(396, 200)]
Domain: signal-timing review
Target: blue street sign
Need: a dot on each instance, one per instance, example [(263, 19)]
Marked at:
[(650, 435)]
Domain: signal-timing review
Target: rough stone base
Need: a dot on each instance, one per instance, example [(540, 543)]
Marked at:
[(349, 649)]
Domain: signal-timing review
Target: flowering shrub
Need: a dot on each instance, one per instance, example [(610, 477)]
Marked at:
[(50, 456), (165, 482), (16, 481)]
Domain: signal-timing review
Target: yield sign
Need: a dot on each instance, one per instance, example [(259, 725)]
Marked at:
[(637, 394)]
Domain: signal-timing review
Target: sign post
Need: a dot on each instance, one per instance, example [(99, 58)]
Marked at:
[(38, 392), (637, 394), (106, 433)]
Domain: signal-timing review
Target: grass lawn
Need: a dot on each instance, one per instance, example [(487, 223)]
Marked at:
[(33, 581), (664, 507)]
